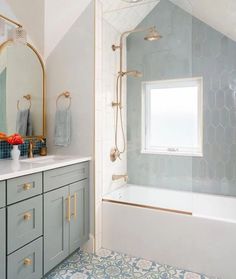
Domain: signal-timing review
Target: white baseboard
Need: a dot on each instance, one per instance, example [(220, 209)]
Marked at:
[(89, 245)]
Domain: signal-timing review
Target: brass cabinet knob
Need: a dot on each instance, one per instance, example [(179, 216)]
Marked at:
[(27, 216), (27, 261), (27, 186)]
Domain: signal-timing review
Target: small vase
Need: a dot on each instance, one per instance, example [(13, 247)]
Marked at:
[(15, 153)]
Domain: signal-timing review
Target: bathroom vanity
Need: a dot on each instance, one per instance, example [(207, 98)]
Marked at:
[(44, 214)]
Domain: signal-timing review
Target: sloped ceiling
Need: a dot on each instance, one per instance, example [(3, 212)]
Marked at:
[(125, 16), (219, 14), (46, 21), (60, 15)]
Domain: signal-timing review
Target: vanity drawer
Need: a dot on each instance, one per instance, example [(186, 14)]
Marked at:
[(24, 223), (2, 194), (63, 176), (24, 187), (26, 263)]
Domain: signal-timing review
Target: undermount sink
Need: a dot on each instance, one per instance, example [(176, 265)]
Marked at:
[(41, 160)]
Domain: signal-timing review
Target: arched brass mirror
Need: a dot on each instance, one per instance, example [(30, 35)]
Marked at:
[(22, 90)]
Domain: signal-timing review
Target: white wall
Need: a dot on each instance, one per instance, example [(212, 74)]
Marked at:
[(107, 67), (46, 22), (6, 10), (31, 15), (60, 15), (70, 67)]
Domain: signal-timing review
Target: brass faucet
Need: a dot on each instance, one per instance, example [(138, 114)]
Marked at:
[(31, 146), (31, 149), (117, 177)]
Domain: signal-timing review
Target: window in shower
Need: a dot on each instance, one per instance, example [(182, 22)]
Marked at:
[(172, 117)]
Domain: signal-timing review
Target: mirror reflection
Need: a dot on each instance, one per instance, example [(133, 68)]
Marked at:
[(21, 90)]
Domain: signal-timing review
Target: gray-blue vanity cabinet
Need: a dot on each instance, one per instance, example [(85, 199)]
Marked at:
[(26, 263), (2, 244), (24, 223), (66, 219), (79, 223), (44, 217), (56, 228), (2, 193)]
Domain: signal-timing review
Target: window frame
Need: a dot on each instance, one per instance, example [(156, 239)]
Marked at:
[(145, 114)]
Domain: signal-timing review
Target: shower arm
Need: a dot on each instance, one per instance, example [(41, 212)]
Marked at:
[(120, 47)]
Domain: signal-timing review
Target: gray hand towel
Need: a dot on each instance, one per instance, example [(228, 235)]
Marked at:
[(62, 135), (24, 122)]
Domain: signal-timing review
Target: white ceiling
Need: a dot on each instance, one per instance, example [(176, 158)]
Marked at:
[(125, 16), (219, 14)]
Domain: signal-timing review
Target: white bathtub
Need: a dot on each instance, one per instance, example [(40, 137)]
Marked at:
[(188, 230)]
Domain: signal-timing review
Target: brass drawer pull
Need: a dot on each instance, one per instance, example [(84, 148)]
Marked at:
[(27, 261), (68, 209), (75, 206), (27, 186), (27, 216)]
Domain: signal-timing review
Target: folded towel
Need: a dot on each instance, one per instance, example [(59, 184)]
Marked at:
[(62, 135), (24, 123)]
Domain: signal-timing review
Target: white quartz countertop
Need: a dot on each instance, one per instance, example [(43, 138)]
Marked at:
[(10, 169)]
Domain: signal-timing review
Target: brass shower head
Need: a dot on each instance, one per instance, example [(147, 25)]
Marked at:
[(152, 35)]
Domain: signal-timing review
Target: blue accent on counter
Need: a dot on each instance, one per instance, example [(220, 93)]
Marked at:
[(5, 148)]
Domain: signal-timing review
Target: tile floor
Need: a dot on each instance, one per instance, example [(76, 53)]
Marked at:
[(108, 265)]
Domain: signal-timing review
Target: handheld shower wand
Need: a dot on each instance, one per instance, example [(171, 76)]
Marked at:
[(152, 35)]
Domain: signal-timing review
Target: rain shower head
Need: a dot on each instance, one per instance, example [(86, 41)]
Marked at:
[(133, 73), (152, 35)]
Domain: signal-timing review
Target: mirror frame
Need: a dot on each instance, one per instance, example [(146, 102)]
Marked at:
[(43, 136)]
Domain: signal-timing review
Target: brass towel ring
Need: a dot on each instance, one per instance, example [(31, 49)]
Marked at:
[(65, 95), (28, 98)]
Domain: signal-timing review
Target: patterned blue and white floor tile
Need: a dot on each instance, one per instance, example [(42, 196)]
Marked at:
[(110, 265)]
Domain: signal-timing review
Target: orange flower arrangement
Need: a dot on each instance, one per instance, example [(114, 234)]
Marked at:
[(15, 139)]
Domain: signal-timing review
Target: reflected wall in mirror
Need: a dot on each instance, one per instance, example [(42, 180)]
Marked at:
[(22, 79)]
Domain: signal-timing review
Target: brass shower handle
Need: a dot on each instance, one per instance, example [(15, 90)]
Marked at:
[(114, 104)]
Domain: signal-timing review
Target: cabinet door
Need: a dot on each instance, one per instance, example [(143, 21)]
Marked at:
[(79, 224), (56, 227), (2, 244)]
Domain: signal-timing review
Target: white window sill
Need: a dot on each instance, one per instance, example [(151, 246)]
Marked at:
[(171, 153)]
